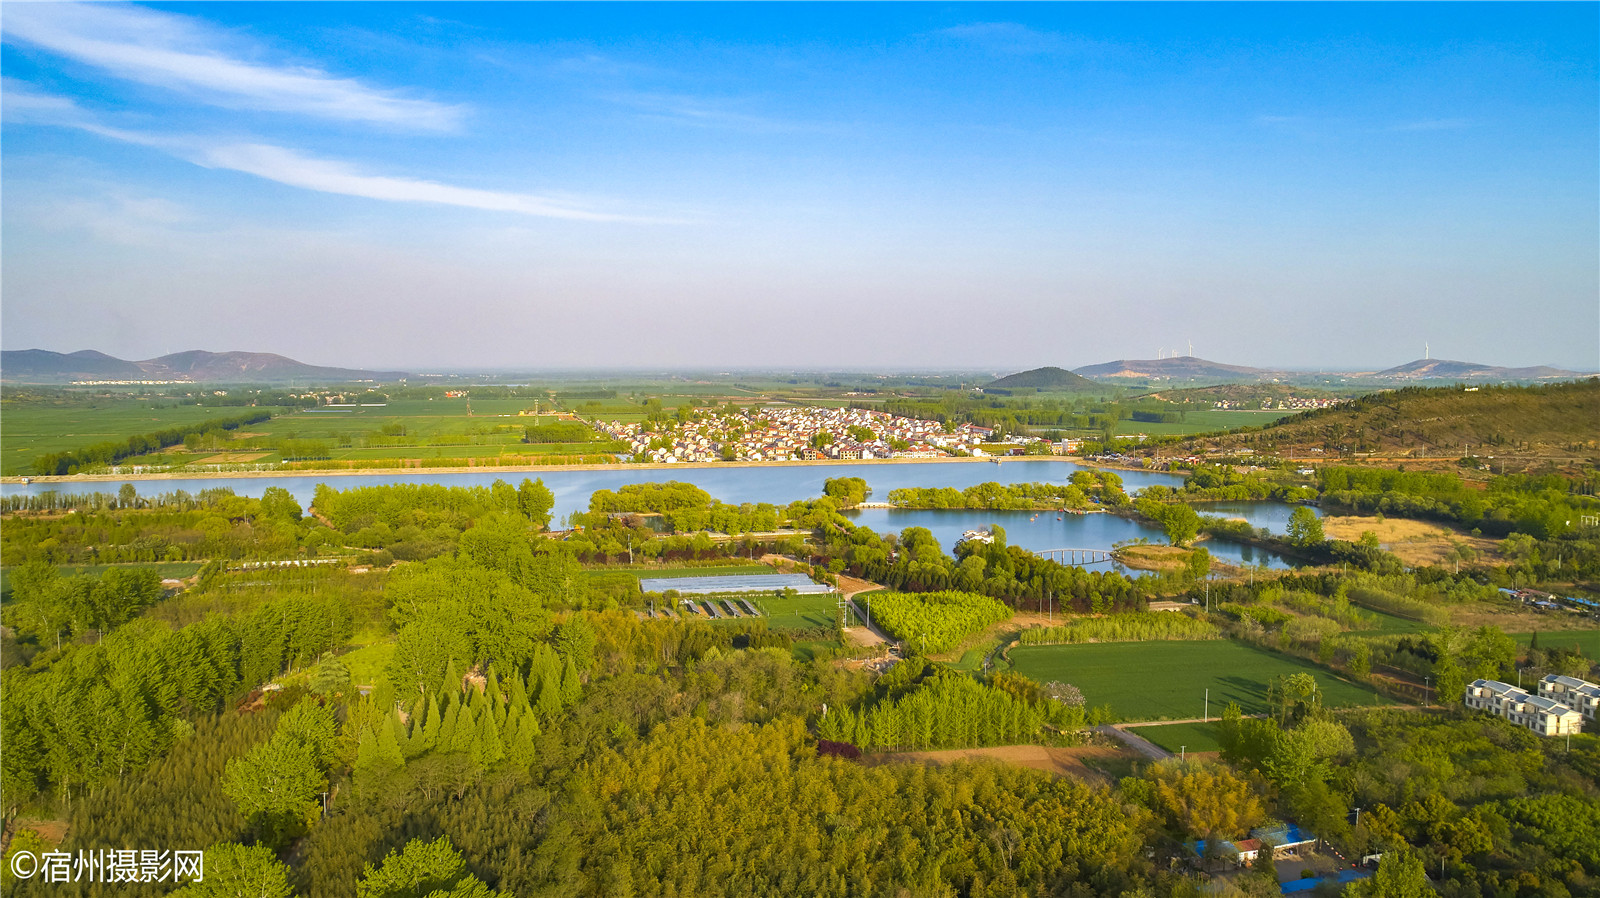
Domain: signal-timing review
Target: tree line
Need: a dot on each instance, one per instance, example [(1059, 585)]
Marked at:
[(112, 451)]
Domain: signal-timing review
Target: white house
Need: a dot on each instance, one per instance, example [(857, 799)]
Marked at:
[(1580, 695), (1541, 715)]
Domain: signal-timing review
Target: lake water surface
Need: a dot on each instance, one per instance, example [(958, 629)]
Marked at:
[(782, 484), (777, 484)]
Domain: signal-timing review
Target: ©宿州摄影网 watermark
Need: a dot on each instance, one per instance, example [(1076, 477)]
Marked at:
[(110, 865)]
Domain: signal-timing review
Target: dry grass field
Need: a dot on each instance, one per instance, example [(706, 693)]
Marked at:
[(1417, 543)]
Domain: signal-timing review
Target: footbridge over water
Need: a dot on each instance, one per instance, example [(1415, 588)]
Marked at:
[(1077, 557)]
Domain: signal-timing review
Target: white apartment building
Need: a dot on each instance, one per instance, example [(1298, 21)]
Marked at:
[(1544, 716), (1580, 695)]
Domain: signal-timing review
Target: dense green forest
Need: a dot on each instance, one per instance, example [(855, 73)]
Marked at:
[(459, 703)]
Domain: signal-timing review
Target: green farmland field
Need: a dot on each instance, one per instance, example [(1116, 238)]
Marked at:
[(1587, 640), (1177, 737), (1388, 623), (799, 613), (1167, 680), (1203, 422), (33, 429)]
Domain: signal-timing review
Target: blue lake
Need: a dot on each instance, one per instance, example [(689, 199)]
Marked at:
[(777, 484), (1042, 531), (782, 484)]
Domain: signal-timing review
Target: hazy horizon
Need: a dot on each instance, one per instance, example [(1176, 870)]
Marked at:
[(989, 187), (726, 371)]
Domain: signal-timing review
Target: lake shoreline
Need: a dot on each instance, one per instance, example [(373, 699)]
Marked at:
[(20, 480)]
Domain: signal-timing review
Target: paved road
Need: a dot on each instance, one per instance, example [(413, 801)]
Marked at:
[(1138, 743)]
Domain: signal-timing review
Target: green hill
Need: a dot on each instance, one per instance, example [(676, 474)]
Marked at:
[(1558, 423), (1045, 379)]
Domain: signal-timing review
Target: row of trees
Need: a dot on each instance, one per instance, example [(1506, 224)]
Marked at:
[(1133, 626), (113, 451), (945, 711), (425, 504), (1085, 491)]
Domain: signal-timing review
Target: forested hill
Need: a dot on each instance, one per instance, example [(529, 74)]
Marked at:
[(1047, 378), (1562, 418)]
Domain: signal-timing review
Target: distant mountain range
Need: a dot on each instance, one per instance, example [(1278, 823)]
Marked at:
[(1186, 367), (195, 366), (1445, 369), (1191, 368)]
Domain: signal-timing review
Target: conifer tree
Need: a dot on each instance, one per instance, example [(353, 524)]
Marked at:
[(425, 732), (571, 689), (389, 738), (465, 732), (549, 700), (487, 747), (519, 692), (366, 753), (447, 729), (492, 681), (451, 684), (520, 749)]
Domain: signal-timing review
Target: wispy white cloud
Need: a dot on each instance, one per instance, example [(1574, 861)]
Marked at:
[(296, 169), (1437, 124), (287, 166), (183, 54), (1018, 39), (703, 111)]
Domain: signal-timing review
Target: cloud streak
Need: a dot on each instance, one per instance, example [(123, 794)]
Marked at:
[(286, 166), (178, 53), (295, 169), (1017, 39), (702, 112), (1437, 124)]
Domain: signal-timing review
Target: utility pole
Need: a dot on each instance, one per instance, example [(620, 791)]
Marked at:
[(1183, 751), (1206, 717)]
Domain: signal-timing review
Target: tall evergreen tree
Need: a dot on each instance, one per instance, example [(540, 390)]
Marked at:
[(571, 689), (447, 729)]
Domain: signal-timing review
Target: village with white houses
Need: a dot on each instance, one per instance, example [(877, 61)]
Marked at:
[(788, 433), (1560, 708), (1286, 403)]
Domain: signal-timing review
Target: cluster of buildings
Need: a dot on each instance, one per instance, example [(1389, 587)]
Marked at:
[(1544, 601), (1560, 708), (1288, 403), (791, 434)]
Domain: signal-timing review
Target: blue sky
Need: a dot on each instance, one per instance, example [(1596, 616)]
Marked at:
[(904, 185)]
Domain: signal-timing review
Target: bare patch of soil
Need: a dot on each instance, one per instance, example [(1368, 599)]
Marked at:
[(862, 636), (851, 585)]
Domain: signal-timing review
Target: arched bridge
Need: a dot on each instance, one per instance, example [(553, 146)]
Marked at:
[(1076, 556)]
